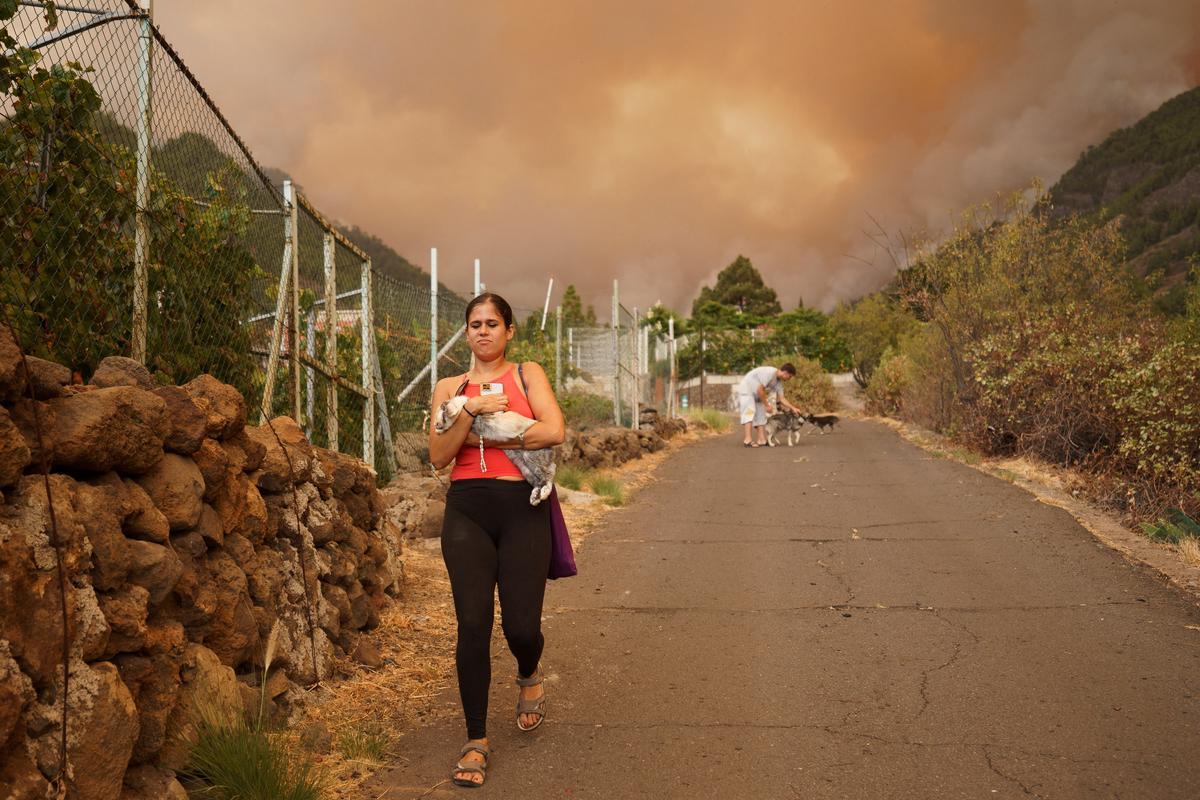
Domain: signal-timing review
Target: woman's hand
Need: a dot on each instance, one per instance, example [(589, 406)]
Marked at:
[(487, 404)]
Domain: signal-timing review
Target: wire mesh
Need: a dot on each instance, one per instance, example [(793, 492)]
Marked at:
[(69, 139), (214, 243), (627, 391), (214, 224)]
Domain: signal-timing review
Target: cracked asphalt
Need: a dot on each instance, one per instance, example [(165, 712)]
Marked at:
[(847, 618)]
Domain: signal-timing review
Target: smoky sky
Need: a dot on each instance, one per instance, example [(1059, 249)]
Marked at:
[(652, 142)]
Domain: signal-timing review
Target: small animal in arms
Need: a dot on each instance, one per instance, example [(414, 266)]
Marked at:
[(537, 466), (822, 421)]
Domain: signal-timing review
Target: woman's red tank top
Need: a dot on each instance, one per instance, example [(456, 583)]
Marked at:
[(466, 463)]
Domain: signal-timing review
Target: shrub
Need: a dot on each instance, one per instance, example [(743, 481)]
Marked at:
[(241, 762), (584, 410), (709, 419), (1156, 399), (571, 476), (811, 389), (608, 488), (888, 383), (1175, 529), (1034, 340), (369, 744), (871, 327)]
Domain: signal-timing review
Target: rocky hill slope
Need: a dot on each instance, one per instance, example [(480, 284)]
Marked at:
[(1148, 177)]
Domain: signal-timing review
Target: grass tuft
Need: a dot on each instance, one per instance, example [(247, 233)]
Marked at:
[(369, 745), (608, 488), (1189, 548), (571, 476), (709, 418), (241, 762)]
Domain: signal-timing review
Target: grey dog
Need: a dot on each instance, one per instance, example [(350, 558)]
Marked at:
[(784, 422), (502, 426)]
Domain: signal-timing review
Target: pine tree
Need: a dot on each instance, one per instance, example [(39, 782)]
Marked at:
[(740, 286), (573, 313)]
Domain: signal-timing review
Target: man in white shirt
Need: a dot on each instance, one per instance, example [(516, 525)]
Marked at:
[(752, 399)]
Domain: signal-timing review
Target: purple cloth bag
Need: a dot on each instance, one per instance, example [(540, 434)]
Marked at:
[(562, 557)]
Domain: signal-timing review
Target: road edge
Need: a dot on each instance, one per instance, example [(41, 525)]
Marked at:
[(1046, 484)]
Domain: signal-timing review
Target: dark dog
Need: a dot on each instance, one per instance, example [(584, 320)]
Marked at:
[(822, 421)]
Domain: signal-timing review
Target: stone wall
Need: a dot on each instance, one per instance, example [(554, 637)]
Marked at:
[(186, 536), (611, 447)]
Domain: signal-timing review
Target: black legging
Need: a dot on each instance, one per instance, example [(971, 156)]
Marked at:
[(492, 535)]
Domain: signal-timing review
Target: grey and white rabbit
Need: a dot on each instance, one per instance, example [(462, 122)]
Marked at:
[(537, 466)]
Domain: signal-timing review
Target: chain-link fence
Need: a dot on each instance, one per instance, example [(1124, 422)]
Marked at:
[(134, 221)]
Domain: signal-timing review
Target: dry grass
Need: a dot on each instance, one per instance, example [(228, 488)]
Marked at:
[(1189, 551), (416, 638)]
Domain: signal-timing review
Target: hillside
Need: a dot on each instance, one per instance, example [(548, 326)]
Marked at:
[(384, 259), (1148, 177)]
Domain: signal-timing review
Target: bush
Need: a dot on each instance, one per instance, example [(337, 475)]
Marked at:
[(709, 419), (890, 379), (871, 327), (1177, 527), (1034, 340), (365, 744), (811, 389), (608, 488), (241, 762), (571, 476), (584, 410)]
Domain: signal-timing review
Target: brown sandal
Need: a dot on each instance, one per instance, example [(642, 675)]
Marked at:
[(471, 767), (537, 706)]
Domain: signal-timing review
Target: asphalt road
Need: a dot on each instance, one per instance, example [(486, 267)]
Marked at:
[(848, 618)]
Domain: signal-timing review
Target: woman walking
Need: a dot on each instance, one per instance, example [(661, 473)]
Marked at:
[(491, 535)]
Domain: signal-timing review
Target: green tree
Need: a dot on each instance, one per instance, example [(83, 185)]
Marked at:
[(658, 320), (740, 286), (869, 327), (573, 313)]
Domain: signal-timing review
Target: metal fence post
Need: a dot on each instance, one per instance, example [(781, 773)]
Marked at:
[(558, 349), (616, 322), (141, 232), (310, 377), (433, 319), (294, 339), (281, 299), (477, 284), (368, 373), (331, 397), (671, 379), (636, 405)]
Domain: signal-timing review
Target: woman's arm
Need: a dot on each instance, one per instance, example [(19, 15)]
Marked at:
[(550, 428), (443, 447)]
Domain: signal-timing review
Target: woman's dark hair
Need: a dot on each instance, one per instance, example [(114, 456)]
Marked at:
[(497, 301)]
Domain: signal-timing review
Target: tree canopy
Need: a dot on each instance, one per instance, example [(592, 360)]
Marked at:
[(573, 314), (740, 286)]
